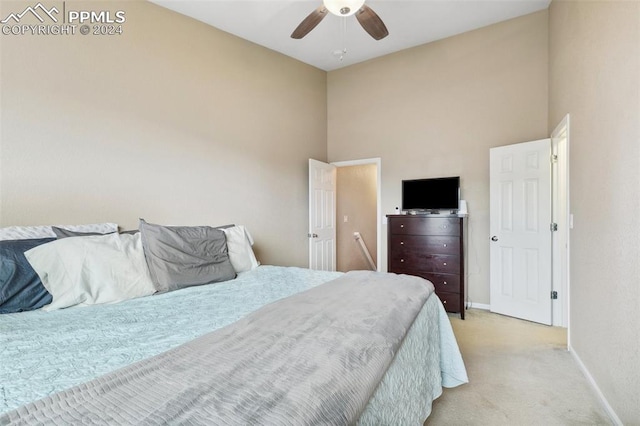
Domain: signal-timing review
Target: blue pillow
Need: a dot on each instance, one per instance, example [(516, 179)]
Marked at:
[(20, 286)]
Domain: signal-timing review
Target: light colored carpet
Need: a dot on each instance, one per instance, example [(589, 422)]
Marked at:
[(520, 373)]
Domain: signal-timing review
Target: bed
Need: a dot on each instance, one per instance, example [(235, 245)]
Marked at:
[(51, 357)]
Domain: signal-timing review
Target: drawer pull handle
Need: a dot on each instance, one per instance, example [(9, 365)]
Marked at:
[(401, 243), (444, 263), (445, 283), (445, 245), (444, 302), (444, 226), (401, 260), (402, 225)]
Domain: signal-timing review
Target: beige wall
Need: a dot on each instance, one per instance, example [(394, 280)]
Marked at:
[(435, 110), (357, 199), (595, 76), (173, 121)]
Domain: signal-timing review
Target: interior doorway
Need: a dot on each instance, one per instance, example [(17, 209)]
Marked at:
[(561, 222), (358, 215)]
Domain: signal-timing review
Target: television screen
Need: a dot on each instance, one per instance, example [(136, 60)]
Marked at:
[(431, 194)]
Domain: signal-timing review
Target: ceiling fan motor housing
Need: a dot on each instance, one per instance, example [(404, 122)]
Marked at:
[(343, 7)]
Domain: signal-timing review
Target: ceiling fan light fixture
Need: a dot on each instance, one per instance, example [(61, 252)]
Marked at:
[(343, 7)]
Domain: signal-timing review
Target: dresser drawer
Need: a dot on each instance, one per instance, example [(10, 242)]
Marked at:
[(451, 301), (425, 226), (419, 261), (442, 282), (438, 244)]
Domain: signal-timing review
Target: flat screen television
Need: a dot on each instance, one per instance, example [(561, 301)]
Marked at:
[(431, 194)]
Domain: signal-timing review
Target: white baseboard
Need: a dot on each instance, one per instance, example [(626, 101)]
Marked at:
[(612, 414), (480, 306)]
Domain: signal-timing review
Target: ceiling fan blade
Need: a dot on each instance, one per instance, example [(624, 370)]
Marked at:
[(371, 23), (309, 23)]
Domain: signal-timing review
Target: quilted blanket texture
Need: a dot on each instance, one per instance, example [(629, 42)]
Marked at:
[(313, 358)]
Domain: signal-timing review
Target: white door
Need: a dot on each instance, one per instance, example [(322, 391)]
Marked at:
[(520, 225), (322, 216)]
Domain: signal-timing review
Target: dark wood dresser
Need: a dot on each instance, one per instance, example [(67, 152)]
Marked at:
[(431, 247)]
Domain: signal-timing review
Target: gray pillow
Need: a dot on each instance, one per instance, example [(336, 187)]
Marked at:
[(65, 233), (184, 256)]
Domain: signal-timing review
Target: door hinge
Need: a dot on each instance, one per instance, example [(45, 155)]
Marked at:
[(554, 227), (554, 295), (554, 158)]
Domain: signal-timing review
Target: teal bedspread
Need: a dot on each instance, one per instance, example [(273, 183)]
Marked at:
[(45, 352)]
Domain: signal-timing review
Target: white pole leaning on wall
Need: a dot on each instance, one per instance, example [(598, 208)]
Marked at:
[(365, 251)]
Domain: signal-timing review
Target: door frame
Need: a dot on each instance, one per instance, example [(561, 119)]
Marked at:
[(561, 214), (378, 162)]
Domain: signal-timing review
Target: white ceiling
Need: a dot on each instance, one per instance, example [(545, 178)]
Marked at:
[(269, 23)]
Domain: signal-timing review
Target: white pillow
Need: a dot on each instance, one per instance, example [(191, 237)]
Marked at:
[(92, 270), (239, 244), (45, 231)]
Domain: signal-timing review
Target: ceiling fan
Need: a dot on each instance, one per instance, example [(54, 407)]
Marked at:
[(369, 20)]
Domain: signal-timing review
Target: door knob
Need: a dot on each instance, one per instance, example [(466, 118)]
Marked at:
[(494, 238)]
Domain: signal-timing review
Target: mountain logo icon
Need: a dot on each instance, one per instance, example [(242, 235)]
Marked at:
[(38, 11)]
